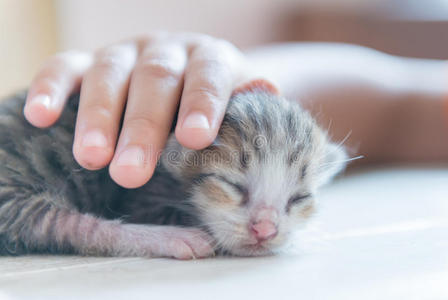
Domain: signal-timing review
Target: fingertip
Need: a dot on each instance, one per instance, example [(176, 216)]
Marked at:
[(195, 132), (194, 138), (39, 112), (92, 158), (132, 167), (130, 177)]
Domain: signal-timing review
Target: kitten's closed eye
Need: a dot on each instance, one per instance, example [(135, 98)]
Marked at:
[(239, 188), (234, 195), (298, 198)]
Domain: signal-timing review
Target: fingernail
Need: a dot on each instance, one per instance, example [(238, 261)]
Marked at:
[(196, 120), (132, 156), (42, 100), (94, 138)]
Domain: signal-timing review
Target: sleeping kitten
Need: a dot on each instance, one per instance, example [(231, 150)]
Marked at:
[(243, 195)]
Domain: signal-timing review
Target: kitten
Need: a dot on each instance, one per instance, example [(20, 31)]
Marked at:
[(243, 195)]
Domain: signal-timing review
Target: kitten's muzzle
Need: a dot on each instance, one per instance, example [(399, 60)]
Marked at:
[(263, 230), (263, 226)]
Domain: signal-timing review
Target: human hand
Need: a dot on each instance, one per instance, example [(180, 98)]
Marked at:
[(147, 80)]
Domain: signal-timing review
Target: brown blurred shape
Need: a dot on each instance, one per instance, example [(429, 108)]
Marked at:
[(401, 27)]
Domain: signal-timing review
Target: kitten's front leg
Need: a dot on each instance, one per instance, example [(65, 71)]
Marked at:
[(96, 236), (59, 230), (163, 241)]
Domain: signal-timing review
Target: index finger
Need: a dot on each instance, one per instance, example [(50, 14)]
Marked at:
[(59, 77), (211, 74)]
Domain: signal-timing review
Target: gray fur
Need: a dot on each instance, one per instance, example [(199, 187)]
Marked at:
[(49, 204)]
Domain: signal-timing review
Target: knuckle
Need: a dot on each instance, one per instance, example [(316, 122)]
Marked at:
[(225, 45), (64, 66), (62, 59), (111, 67), (153, 35), (205, 62), (209, 87), (57, 61), (54, 66), (212, 67), (67, 60), (193, 38), (107, 64), (143, 124), (160, 69), (111, 52), (204, 40), (214, 44), (65, 57), (113, 58), (100, 110), (207, 92)]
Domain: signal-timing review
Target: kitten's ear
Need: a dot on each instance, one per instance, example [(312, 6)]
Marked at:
[(334, 162), (257, 85)]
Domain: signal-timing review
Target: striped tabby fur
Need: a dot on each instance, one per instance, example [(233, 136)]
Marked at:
[(267, 147)]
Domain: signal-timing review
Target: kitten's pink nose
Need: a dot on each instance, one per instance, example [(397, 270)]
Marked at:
[(264, 230)]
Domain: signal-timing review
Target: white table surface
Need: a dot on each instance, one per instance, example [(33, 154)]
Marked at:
[(379, 234)]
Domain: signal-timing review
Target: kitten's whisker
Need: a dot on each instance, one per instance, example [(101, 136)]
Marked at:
[(342, 161), (340, 143), (329, 125)]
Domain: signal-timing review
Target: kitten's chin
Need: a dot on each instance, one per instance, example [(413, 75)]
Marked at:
[(252, 250), (248, 247)]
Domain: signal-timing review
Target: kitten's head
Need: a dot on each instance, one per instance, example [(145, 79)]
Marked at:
[(256, 182)]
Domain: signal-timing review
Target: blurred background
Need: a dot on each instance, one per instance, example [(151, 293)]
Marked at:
[(32, 30)]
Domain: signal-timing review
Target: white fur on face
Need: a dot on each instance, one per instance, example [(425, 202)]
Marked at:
[(270, 183), (269, 130)]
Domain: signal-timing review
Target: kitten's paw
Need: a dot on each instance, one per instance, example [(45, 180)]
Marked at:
[(169, 241), (187, 243)]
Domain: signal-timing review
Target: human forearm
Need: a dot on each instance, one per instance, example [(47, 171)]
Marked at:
[(390, 106)]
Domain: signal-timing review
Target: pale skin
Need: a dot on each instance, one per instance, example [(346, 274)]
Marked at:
[(392, 107), (152, 76), (389, 109)]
